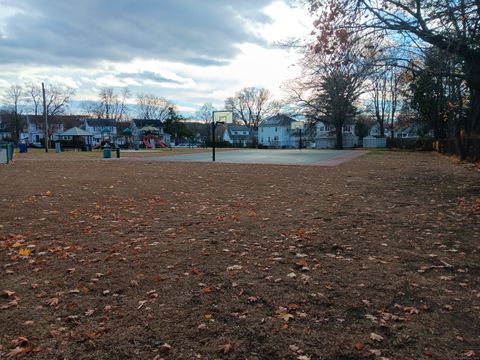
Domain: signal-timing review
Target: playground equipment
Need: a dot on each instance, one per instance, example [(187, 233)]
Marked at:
[(160, 143), (147, 144)]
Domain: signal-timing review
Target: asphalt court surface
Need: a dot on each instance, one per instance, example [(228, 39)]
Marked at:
[(280, 157)]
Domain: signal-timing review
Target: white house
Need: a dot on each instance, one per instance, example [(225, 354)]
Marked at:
[(103, 130), (35, 125), (276, 132), (323, 136), (239, 135)]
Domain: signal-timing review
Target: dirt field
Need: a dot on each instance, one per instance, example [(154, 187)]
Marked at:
[(378, 258)]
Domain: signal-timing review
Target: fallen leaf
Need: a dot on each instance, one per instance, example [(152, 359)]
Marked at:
[(227, 348), (52, 302), (359, 346), (376, 337), (141, 303), (285, 316), (234, 267), (16, 352), (24, 252), (470, 353), (165, 347), (20, 341), (8, 293)]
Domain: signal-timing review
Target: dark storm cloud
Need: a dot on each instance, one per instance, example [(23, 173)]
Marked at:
[(59, 32)]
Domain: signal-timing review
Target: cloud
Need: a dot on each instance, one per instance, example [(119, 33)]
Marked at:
[(83, 33)]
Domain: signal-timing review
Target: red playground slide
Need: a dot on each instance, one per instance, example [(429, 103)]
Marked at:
[(161, 143), (147, 144)]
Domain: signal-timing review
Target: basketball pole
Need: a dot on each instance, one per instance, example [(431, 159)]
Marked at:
[(214, 126), (213, 137)]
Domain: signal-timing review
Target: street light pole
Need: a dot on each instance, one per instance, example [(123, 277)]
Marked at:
[(46, 118)]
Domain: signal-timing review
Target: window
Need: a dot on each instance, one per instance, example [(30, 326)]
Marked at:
[(275, 129)]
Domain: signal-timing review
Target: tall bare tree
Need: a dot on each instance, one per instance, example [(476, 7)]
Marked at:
[(205, 112), (58, 98), (110, 104), (251, 105), (335, 67), (385, 96), (152, 106), (12, 98)]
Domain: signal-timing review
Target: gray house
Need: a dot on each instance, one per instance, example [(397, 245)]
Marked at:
[(240, 135)]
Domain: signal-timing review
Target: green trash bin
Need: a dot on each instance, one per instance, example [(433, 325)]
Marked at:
[(107, 152), (10, 149)]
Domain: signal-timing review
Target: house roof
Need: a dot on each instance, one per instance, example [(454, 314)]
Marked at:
[(278, 120), (233, 129), (101, 122), (147, 122), (75, 131), (238, 128), (71, 120)]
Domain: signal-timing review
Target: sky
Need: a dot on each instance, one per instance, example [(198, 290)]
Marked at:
[(187, 51)]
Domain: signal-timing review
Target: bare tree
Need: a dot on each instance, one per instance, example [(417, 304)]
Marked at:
[(34, 95), (110, 104), (335, 68), (251, 105), (205, 113), (58, 98), (12, 98), (385, 94), (152, 106)]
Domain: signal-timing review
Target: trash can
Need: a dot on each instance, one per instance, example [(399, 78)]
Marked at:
[(58, 147), (10, 149), (22, 148), (107, 152)]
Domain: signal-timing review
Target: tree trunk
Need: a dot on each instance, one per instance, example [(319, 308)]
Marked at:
[(473, 127), (459, 143), (339, 142)]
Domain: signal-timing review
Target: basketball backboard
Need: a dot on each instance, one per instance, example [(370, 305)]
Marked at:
[(223, 116), (297, 125)]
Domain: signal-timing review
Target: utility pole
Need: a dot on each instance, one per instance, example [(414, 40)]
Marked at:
[(46, 118)]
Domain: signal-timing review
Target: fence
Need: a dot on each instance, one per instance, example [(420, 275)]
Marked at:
[(371, 142), (449, 147), (423, 144)]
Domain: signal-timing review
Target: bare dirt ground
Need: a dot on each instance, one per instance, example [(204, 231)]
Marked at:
[(378, 258)]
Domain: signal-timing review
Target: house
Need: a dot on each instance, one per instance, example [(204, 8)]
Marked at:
[(323, 136), (33, 127), (103, 130), (276, 132), (240, 135), (409, 132), (158, 137), (5, 132)]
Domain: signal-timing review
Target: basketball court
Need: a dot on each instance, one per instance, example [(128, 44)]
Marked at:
[(279, 157)]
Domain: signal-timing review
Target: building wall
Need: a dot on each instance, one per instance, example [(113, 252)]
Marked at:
[(276, 136)]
